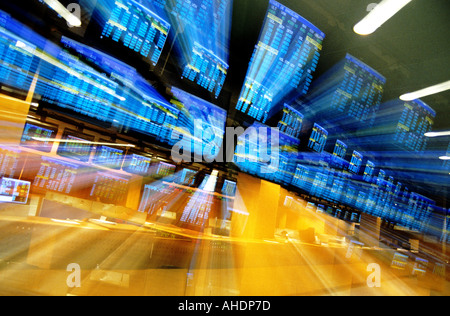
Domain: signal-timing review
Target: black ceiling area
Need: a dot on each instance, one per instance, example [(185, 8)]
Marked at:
[(411, 50)]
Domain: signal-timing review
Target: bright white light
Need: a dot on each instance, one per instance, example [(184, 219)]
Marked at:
[(211, 183), (379, 15), (437, 134), (445, 158), (426, 92), (65, 221), (62, 11)]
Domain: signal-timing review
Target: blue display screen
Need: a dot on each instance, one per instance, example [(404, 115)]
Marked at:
[(283, 61), (318, 138), (416, 119), (137, 28), (206, 69), (356, 162), (360, 92), (292, 122), (229, 188), (80, 149), (186, 177), (56, 175), (369, 171), (109, 157), (32, 131), (202, 30), (137, 164), (267, 153)]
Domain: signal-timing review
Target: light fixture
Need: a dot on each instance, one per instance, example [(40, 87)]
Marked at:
[(379, 15), (426, 92), (437, 134), (444, 157), (39, 139), (62, 11)]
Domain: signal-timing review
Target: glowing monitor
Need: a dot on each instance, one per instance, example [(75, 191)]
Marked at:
[(283, 62), (203, 30), (340, 149), (318, 138), (137, 164), (406, 124), (348, 95), (206, 69), (80, 149), (369, 171), (229, 188), (291, 122), (186, 177), (33, 131), (109, 188), (14, 191), (109, 157), (56, 175), (356, 162), (136, 27)]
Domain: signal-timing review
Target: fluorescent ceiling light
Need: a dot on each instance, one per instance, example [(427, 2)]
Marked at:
[(62, 11), (39, 139), (445, 158), (426, 92), (437, 134), (379, 15)]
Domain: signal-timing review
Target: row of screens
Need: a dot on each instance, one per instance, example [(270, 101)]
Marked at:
[(44, 174), (80, 146), (126, 100), (102, 88), (200, 32)]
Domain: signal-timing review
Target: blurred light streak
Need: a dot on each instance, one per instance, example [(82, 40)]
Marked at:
[(426, 92), (62, 11), (382, 12)]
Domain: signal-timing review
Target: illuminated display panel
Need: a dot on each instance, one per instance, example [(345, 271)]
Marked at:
[(36, 130), (69, 83), (361, 91), (109, 157), (138, 105), (76, 150), (186, 177), (356, 162), (204, 121), (203, 32), (229, 188), (408, 122), (14, 191), (109, 188), (17, 64), (340, 149), (137, 28), (163, 170), (137, 164), (56, 175), (206, 69), (9, 160), (318, 138), (291, 122), (283, 61)]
